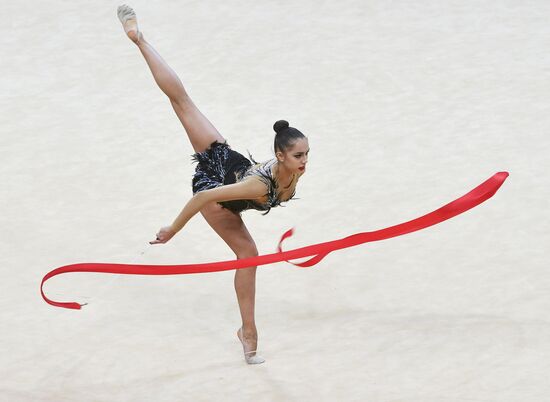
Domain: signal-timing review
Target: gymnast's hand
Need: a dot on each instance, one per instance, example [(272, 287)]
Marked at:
[(164, 234)]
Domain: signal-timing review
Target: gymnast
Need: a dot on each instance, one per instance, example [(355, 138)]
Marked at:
[(225, 182)]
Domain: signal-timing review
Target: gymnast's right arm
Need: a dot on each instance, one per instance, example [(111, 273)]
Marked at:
[(248, 189)]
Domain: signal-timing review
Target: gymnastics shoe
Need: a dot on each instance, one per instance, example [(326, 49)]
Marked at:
[(249, 359), (128, 18)]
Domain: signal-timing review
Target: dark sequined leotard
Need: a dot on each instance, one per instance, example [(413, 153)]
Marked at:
[(219, 165)]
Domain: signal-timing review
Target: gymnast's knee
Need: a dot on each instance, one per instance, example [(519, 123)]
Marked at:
[(250, 251), (182, 102)]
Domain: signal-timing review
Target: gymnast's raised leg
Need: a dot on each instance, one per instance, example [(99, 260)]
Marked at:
[(200, 131)]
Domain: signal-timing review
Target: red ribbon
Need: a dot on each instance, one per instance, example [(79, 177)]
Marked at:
[(475, 197)]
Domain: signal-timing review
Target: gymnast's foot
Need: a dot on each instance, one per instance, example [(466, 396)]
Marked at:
[(128, 18), (249, 347)]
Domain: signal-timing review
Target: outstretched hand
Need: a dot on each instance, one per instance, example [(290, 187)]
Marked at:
[(164, 234)]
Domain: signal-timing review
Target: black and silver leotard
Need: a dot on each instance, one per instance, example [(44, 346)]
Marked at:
[(219, 165)]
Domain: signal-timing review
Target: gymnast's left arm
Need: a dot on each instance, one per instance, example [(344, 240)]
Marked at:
[(247, 189)]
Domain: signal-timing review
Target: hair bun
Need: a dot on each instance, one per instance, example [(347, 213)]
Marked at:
[(280, 125)]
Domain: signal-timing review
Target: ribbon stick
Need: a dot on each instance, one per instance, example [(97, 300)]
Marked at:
[(319, 251)]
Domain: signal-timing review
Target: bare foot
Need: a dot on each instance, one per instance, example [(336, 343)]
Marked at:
[(249, 348), (128, 18)]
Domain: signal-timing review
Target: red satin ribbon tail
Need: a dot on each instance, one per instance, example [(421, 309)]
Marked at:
[(69, 305)]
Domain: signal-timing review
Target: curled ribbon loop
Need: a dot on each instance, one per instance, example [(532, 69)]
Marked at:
[(308, 263), (319, 251)]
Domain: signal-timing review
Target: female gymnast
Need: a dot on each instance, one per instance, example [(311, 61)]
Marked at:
[(225, 182)]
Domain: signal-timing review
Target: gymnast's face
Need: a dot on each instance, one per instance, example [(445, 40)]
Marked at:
[(295, 158)]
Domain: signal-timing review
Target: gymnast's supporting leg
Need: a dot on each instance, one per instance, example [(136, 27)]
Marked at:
[(231, 228), (200, 131), (245, 286)]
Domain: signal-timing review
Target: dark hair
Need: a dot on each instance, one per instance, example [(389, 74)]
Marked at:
[(286, 135)]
